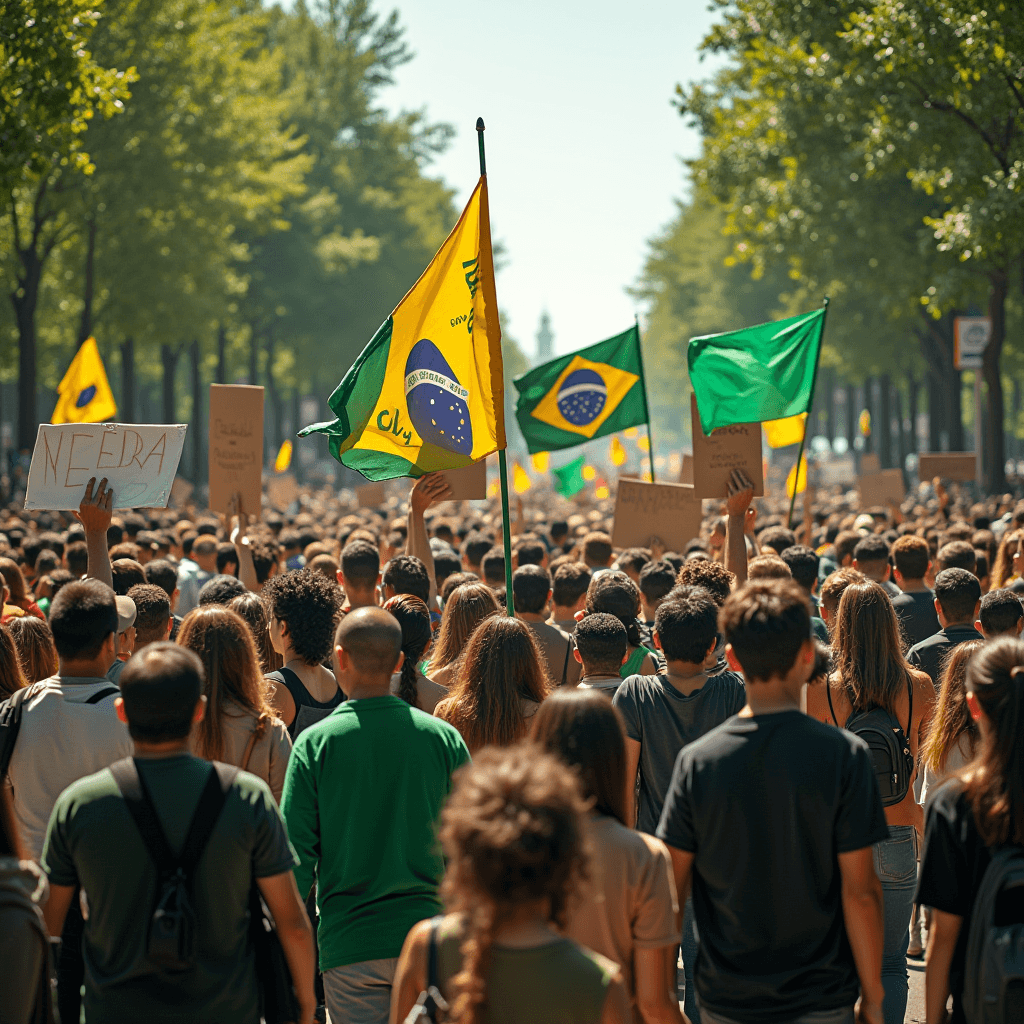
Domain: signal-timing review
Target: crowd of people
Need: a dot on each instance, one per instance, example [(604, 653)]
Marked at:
[(309, 768)]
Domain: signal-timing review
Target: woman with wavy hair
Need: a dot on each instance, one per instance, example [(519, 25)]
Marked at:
[(499, 685), (410, 683), (12, 678), (254, 610), (467, 606), (18, 601), (979, 809), (1008, 564), (239, 726), (34, 641), (513, 833)]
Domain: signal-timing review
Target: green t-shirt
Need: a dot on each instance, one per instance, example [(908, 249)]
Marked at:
[(362, 796), (92, 840)]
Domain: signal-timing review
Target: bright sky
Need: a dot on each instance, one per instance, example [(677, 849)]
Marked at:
[(583, 144)]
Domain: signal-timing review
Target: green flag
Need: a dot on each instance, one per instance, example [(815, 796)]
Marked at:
[(590, 393), (757, 374), (569, 478)]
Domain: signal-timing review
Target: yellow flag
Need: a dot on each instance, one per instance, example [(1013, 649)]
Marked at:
[(800, 482), (631, 432), (493, 489), (521, 482), (589, 472), (865, 422), (644, 443), (540, 461), (789, 430), (84, 394), (617, 453), (602, 492), (284, 457)]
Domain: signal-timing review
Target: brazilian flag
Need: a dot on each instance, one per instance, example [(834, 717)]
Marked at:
[(597, 391)]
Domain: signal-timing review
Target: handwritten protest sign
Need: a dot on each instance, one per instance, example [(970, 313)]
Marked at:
[(282, 490), (947, 465), (878, 489), (671, 512), (236, 447), (728, 448), (139, 463), (686, 470)]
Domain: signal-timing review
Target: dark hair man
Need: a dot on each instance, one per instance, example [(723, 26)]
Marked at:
[(957, 554), (1001, 615), (153, 622), (93, 841), (778, 538), (219, 590), (632, 561), (126, 573), (871, 557), (359, 574), (530, 551), (600, 648), (915, 604), (804, 564), (597, 550), (362, 797), (656, 582), (778, 773), (531, 593), (227, 559), (474, 547), (194, 571), (492, 566), (957, 603), (569, 594), (163, 574), (76, 558), (406, 574)]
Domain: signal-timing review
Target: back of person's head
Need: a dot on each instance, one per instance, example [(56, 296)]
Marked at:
[(220, 590), (254, 611), (326, 565), (1001, 611), (632, 561), (46, 562), (911, 556), (957, 554), (310, 604), (77, 557), (531, 585), (372, 640), (12, 677), (160, 687), (871, 552), (570, 583), (11, 572), (994, 781), (446, 563), (414, 619), (34, 642), (161, 573), (835, 583), (768, 567), (360, 565), (530, 552), (82, 616), (601, 640), (614, 592), (474, 547), (513, 832), (464, 609), (958, 592), (581, 728), (597, 549), (205, 546), (656, 580), (152, 613), (803, 565), (455, 580), (559, 531), (766, 622), (406, 574), (492, 565), (32, 547), (126, 573), (778, 538), (226, 555), (265, 556), (951, 720), (845, 543), (687, 625), (712, 576)]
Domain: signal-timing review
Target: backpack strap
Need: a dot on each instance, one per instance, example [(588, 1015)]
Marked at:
[(828, 693), (107, 691), (565, 667), (211, 802), (910, 698), (10, 724)]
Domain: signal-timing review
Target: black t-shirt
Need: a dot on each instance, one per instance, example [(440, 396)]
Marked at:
[(931, 655), (766, 804), (916, 612)]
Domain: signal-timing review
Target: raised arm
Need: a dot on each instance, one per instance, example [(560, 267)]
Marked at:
[(95, 514), (741, 494), (429, 488), (243, 548)]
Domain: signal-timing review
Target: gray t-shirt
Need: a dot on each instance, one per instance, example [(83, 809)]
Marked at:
[(663, 721)]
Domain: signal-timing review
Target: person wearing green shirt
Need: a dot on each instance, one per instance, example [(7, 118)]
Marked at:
[(362, 797)]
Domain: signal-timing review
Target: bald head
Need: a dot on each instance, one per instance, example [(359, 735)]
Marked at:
[(372, 638)]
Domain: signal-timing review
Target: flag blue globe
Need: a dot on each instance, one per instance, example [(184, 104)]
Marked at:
[(582, 396), (86, 396)]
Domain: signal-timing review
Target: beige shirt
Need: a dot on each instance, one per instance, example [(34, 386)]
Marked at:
[(428, 693), (630, 901), (556, 646)]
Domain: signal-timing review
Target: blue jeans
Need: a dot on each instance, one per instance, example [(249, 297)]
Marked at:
[(688, 949), (896, 867)]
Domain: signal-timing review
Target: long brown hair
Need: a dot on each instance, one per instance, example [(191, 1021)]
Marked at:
[(11, 572), (994, 781), (513, 832), (467, 606), (502, 667), (225, 646), (867, 651), (256, 614), (12, 678), (414, 618), (952, 718), (586, 732), (1002, 569), (36, 652)]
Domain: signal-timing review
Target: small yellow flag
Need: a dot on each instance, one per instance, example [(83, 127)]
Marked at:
[(493, 489), (631, 432), (644, 443), (617, 453), (284, 457), (601, 492), (800, 481), (521, 482), (789, 430), (539, 461), (589, 472), (84, 394), (865, 423)]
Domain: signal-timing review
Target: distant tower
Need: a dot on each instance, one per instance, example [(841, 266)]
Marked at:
[(545, 339)]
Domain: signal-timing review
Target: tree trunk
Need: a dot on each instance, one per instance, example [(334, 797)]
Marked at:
[(296, 460), (25, 297), (900, 448), (995, 450), (85, 322), (884, 428), (128, 380), (169, 357), (851, 414), (254, 357), (1015, 414), (222, 355), (956, 411), (913, 390), (830, 404), (196, 426), (274, 424)]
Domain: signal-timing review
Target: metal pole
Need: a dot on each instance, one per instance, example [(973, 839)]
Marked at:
[(647, 408)]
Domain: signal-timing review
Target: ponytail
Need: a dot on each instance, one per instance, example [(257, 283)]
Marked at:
[(470, 983), (414, 618), (407, 683)]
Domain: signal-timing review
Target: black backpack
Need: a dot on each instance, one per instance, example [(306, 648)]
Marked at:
[(888, 746), (994, 964)]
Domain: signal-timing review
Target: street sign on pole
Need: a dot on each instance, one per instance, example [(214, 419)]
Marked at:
[(970, 339)]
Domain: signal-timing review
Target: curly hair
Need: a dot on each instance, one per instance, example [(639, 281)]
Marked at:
[(311, 605), (414, 618), (513, 832), (712, 576)]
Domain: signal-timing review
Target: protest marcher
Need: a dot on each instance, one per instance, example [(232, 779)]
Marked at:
[(253, 610), (871, 557), (957, 603), (464, 609), (1006, 570), (513, 835), (93, 842), (410, 683), (657, 578), (600, 649), (12, 677), (359, 574), (194, 572), (1001, 614), (739, 783), (153, 620), (915, 604), (969, 818), (632, 920), (531, 592), (33, 639), (238, 727), (569, 584), (615, 593), (18, 601), (361, 799)]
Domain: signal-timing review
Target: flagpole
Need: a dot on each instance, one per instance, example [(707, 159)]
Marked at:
[(506, 524), (647, 408), (810, 403)]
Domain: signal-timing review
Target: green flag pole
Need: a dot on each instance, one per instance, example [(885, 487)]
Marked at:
[(506, 524), (647, 408), (810, 403)]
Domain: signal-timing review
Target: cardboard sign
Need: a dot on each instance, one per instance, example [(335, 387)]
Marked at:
[(870, 463), (468, 483), (371, 495), (236, 448), (181, 491), (881, 488), (728, 448), (947, 465), (686, 470), (139, 463), (282, 490), (671, 512)]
